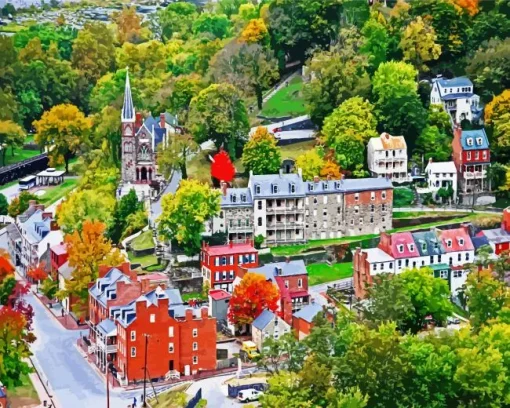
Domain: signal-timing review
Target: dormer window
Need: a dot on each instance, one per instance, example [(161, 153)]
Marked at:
[(449, 243), (470, 141), (479, 141), (243, 198), (257, 188), (337, 185), (411, 247), (461, 241), (325, 185), (292, 188), (424, 247), (310, 186), (400, 249), (274, 188), (233, 198)]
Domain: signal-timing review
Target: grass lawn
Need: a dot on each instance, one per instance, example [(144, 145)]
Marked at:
[(143, 241), (55, 193), (288, 101), (321, 272), (502, 203), (144, 261), (192, 295), (19, 155), (173, 398), (429, 214), (294, 150), (9, 184), (24, 395)]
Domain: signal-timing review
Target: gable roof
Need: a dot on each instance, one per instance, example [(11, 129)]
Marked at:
[(377, 255), (406, 239), (454, 82), (441, 167), (107, 327), (428, 244), (474, 135), (282, 181), (65, 270), (455, 235), (308, 312), (291, 268), (235, 248), (219, 294), (227, 199), (263, 319), (497, 235), (385, 141)]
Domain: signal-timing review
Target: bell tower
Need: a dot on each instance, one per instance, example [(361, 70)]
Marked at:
[(128, 142)]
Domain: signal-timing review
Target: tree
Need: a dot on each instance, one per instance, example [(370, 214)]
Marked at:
[(64, 128), (105, 133), (87, 249), (8, 60), (437, 116), (129, 26), (147, 58), (185, 212), (401, 299), (37, 273), (20, 203), (175, 154), (4, 205), (471, 6), (218, 113), (336, 75), (486, 296), (253, 294), (394, 79), (418, 44), (49, 288), (48, 34), (129, 204), (285, 390), (178, 95), (246, 66), (255, 32), (286, 352), (222, 168), (261, 154), (11, 135), (330, 169), (433, 144), (310, 163), (229, 7), (177, 19), (82, 206), (499, 105), (376, 40), (348, 129), (217, 25)]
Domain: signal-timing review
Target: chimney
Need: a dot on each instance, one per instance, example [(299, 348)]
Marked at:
[(287, 259), (280, 172), (231, 244), (505, 223), (430, 160), (316, 179), (204, 313), (328, 177), (54, 226), (223, 187), (457, 132), (138, 121), (46, 215), (189, 314), (146, 285), (162, 120), (300, 172), (39, 207)]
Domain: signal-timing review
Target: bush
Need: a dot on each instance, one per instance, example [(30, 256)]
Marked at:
[(259, 240), (402, 197)]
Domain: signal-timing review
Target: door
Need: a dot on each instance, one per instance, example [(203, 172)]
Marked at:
[(171, 365)]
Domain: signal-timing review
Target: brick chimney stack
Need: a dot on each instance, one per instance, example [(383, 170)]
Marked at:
[(162, 120), (316, 179), (223, 187)]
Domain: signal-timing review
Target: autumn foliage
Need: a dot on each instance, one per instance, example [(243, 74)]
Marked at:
[(37, 273), (255, 31), (222, 168), (251, 297)]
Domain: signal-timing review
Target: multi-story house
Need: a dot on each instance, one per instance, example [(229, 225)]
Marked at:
[(219, 263), (441, 175), (499, 238), (128, 313), (472, 158), (287, 209), (448, 252), (36, 232), (457, 97), (268, 325), (291, 277), (302, 320), (387, 157)]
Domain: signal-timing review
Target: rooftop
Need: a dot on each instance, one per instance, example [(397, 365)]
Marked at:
[(497, 235), (377, 255), (277, 185), (230, 249), (454, 82), (219, 294), (59, 249), (51, 172), (291, 268), (236, 197), (441, 167), (388, 142), (264, 319), (474, 139), (66, 270), (308, 312)]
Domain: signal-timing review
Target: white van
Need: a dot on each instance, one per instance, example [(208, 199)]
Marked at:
[(251, 394)]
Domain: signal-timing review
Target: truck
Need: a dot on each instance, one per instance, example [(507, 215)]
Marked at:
[(250, 348)]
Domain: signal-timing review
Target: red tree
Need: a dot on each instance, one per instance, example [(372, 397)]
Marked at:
[(251, 297), (222, 167), (37, 273)]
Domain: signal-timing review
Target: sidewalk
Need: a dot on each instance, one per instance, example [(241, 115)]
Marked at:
[(42, 390), (55, 308)]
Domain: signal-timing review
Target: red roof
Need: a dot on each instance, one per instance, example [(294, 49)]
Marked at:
[(241, 248), (456, 236), (404, 241), (219, 294), (154, 276), (59, 249), (298, 293)]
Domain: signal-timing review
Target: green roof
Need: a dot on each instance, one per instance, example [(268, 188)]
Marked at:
[(438, 267)]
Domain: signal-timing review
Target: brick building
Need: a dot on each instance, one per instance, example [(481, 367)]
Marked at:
[(291, 277), (472, 158), (127, 312), (285, 209), (219, 264), (302, 321), (499, 238)]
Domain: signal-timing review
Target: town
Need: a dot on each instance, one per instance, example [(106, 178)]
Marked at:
[(275, 203)]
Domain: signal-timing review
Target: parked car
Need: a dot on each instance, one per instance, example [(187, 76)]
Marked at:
[(250, 348), (251, 394)]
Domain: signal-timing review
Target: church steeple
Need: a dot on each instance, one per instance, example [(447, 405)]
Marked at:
[(128, 109)]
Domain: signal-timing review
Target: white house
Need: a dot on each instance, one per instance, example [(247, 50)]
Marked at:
[(266, 325), (441, 175), (458, 98), (387, 157)]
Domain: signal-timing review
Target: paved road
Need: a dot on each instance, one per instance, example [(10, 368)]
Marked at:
[(73, 381), (214, 392), (10, 192), (170, 188)]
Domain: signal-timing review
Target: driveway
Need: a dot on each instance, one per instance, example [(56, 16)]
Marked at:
[(170, 188), (10, 192), (72, 381)]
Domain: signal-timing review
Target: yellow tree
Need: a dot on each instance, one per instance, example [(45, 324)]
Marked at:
[(471, 6), (11, 135), (330, 169), (255, 31), (419, 45), (310, 164), (63, 129), (499, 105), (261, 153), (87, 249), (129, 26)]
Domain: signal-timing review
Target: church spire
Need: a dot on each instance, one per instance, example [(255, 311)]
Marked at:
[(128, 110)]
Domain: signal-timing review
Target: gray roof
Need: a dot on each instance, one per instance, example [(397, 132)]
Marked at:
[(263, 319), (35, 227), (282, 182), (348, 185), (180, 311), (497, 235), (107, 285), (474, 134), (236, 194), (457, 95), (128, 109), (107, 327), (308, 312), (291, 268), (65, 270), (13, 232), (426, 243), (459, 81)]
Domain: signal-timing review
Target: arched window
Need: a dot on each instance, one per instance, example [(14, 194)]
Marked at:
[(128, 147), (144, 153)]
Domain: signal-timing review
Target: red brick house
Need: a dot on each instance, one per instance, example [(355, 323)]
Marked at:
[(499, 238), (125, 309), (302, 321), (219, 264), (58, 257), (291, 277)]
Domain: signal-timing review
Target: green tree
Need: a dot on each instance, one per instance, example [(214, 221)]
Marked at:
[(176, 20), (310, 163), (376, 40), (185, 212), (432, 144), (285, 391), (216, 25), (348, 129), (20, 203), (286, 352), (64, 128), (218, 113), (8, 60), (229, 7), (49, 288), (128, 205), (106, 133), (48, 34), (11, 135), (178, 94), (437, 116), (175, 154), (261, 153), (336, 75), (4, 205)]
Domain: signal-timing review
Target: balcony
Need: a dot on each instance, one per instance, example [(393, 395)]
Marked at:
[(475, 174), (240, 228), (284, 209), (110, 348), (284, 224)]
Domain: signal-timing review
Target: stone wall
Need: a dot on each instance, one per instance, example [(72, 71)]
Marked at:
[(188, 285), (324, 216), (367, 215)]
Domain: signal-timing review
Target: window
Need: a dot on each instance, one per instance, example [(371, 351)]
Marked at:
[(407, 263), (375, 267), (133, 351), (461, 241), (144, 153), (223, 260), (372, 208), (171, 331), (399, 263), (383, 207), (310, 186), (325, 212), (361, 221), (233, 198), (372, 195), (352, 222), (431, 259), (356, 209), (459, 257), (300, 283), (400, 248), (477, 155), (391, 265), (439, 258), (338, 210), (274, 188), (153, 318), (449, 243), (195, 332), (443, 274), (371, 220), (257, 188), (414, 264), (195, 346), (411, 247), (243, 198), (259, 205), (170, 347), (457, 274), (325, 199), (287, 284), (423, 246), (259, 221), (133, 335), (485, 154), (479, 141), (292, 188), (469, 155), (356, 196), (195, 360), (450, 262), (325, 185), (467, 256), (383, 195)]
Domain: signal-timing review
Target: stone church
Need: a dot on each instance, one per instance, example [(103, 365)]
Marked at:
[(140, 138)]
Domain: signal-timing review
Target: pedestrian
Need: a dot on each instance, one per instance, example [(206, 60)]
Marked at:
[(134, 402), (62, 312)]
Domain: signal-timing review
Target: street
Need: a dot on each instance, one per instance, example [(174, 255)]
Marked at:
[(170, 188)]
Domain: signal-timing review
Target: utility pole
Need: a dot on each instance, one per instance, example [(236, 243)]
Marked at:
[(145, 372), (107, 386)]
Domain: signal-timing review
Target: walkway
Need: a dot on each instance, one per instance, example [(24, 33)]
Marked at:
[(447, 209), (281, 85)]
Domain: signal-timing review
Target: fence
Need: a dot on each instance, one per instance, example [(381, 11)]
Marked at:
[(193, 402), (18, 170)]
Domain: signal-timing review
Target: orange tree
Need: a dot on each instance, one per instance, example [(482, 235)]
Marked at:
[(37, 273), (87, 249), (251, 297)]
